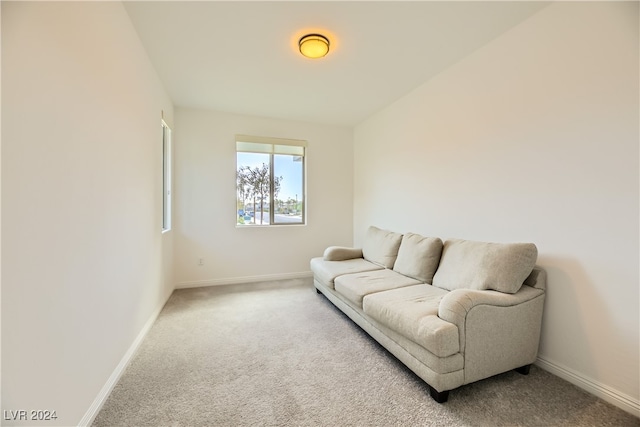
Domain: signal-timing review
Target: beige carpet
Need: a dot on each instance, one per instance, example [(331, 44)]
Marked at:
[(278, 354)]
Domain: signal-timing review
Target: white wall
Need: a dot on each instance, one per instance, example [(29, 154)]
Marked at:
[(205, 198), (533, 137), (82, 250)]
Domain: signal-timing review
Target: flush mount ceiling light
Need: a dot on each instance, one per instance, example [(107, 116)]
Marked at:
[(314, 45)]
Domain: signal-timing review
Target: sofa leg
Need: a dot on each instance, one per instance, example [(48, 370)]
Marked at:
[(439, 396), (524, 370), (318, 291)]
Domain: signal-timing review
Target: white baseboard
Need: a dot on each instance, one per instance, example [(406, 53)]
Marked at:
[(606, 393), (245, 279), (99, 401)]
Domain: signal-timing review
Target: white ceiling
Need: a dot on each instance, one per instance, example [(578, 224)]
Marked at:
[(242, 57)]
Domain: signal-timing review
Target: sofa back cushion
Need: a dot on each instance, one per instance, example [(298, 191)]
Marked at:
[(477, 265), (381, 246), (418, 257)]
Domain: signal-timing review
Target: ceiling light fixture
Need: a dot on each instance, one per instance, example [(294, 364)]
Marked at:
[(314, 45)]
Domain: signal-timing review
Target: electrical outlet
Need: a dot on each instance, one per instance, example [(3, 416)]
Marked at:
[(200, 261)]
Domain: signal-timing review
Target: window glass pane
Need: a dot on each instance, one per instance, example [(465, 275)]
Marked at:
[(253, 188), (288, 172), (270, 181), (166, 177)]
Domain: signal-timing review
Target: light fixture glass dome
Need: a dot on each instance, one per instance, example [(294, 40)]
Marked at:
[(314, 45)]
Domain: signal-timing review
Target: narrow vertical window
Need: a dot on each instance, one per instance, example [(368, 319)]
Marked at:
[(166, 177), (270, 181)]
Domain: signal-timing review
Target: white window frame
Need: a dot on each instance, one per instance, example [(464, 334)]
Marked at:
[(272, 146), (166, 177)]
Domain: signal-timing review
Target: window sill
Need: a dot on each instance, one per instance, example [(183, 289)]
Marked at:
[(270, 226)]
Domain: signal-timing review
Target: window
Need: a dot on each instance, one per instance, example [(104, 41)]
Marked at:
[(270, 181), (166, 177)]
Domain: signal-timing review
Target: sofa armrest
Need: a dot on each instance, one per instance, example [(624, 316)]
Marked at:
[(497, 331), (455, 306), (341, 253)]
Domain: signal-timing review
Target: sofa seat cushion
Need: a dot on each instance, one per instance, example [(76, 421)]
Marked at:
[(326, 271), (355, 286), (412, 312), (500, 267), (418, 257)]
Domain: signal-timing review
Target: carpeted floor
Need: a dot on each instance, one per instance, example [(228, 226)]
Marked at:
[(277, 353)]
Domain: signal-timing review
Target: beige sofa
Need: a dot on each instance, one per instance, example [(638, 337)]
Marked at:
[(453, 312)]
